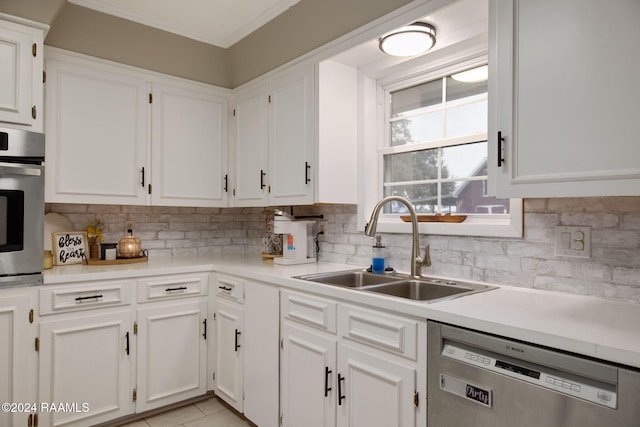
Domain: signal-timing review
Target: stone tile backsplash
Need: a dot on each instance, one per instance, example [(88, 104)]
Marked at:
[(612, 272)]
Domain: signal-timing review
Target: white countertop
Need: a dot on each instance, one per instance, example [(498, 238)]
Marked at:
[(594, 327)]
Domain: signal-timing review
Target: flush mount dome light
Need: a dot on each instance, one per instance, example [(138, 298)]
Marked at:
[(473, 75), (412, 40)]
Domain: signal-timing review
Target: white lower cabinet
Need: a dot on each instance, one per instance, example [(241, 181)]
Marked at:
[(362, 368), (105, 354), (171, 353), (18, 356), (228, 379), (307, 377), (246, 361), (86, 361), (87, 351), (374, 391)]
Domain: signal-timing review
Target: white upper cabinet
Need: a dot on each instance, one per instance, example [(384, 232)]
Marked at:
[(291, 137), (21, 86), (250, 154), (274, 139), (189, 147), (118, 135), (295, 137), (97, 137), (564, 98)]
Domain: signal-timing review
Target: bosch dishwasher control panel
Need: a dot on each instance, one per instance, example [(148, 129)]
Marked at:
[(565, 382)]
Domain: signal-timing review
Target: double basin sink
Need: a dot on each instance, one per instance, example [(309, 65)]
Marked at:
[(398, 285)]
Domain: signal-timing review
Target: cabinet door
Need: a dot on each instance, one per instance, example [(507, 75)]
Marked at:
[(564, 99), (374, 392), (96, 135), (291, 137), (230, 352), (172, 354), (86, 360), (21, 75), (250, 152), (261, 353), (307, 378), (189, 147), (18, 358)]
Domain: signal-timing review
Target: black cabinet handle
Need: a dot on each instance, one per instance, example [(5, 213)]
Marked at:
[(327, 389), (262, 175), (224, 288), (237, 334), (127, 337), (179, 288), (226, 183), (142, 172), (340, 396), (307, 167), (80, 299), (204, 335), (500, 141)]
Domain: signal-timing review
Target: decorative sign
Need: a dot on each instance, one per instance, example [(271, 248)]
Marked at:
[(69, 247)]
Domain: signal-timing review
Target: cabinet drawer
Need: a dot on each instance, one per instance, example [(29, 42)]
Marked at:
[(230, 287), (310, 310), (398, 335), (60, 299), (171, 287)]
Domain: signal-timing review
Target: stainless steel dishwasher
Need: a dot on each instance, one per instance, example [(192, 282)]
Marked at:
[(480, 380)]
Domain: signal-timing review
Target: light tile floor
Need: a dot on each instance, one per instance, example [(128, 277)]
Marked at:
[(209, 413)]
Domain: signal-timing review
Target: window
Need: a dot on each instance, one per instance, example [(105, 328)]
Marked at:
[(427, 141), (437, 154)]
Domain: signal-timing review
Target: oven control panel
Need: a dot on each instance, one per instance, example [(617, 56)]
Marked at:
[(560, 381)]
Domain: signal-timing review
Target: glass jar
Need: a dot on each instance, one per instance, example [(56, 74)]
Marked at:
[(129, 246)]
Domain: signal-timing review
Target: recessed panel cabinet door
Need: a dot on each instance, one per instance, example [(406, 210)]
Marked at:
[(307, 378), (86, 361), (96, 146), (230, 352), (564, 98), (291, 137), (374, 392), (21, 76), (171, 354), (189, 147), (18, 358), (251, 150)]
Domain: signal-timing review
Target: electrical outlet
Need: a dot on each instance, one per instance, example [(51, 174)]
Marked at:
[(573, 241)]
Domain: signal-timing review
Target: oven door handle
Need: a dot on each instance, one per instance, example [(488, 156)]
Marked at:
[(11, 169)]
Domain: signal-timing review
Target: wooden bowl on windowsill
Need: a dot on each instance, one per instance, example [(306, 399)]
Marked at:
[(435, 218)]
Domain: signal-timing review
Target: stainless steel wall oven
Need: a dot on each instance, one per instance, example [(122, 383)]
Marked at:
[(21, 207)]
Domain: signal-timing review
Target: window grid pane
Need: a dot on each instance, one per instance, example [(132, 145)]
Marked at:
[(447, 179)]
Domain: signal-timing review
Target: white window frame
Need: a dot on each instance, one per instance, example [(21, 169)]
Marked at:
[(376, 143)]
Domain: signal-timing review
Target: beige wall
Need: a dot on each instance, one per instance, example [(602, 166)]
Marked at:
[(43, 11), (307, 25), (97, 34), (304, 27)]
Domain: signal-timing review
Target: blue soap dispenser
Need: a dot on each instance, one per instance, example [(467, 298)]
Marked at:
[(379, 257)]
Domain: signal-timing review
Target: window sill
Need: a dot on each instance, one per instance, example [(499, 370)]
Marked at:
[(508, 225)]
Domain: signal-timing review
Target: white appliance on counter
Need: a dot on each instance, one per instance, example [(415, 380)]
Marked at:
[(297, 239)]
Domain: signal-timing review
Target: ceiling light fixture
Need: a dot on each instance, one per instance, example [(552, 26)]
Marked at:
[(412, 40), (473, 75)]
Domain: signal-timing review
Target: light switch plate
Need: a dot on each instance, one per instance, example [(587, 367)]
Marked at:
[(573, 241)]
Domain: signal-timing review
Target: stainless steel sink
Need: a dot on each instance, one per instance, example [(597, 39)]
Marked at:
[(422, 290), (398, 285), (350, 279)]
